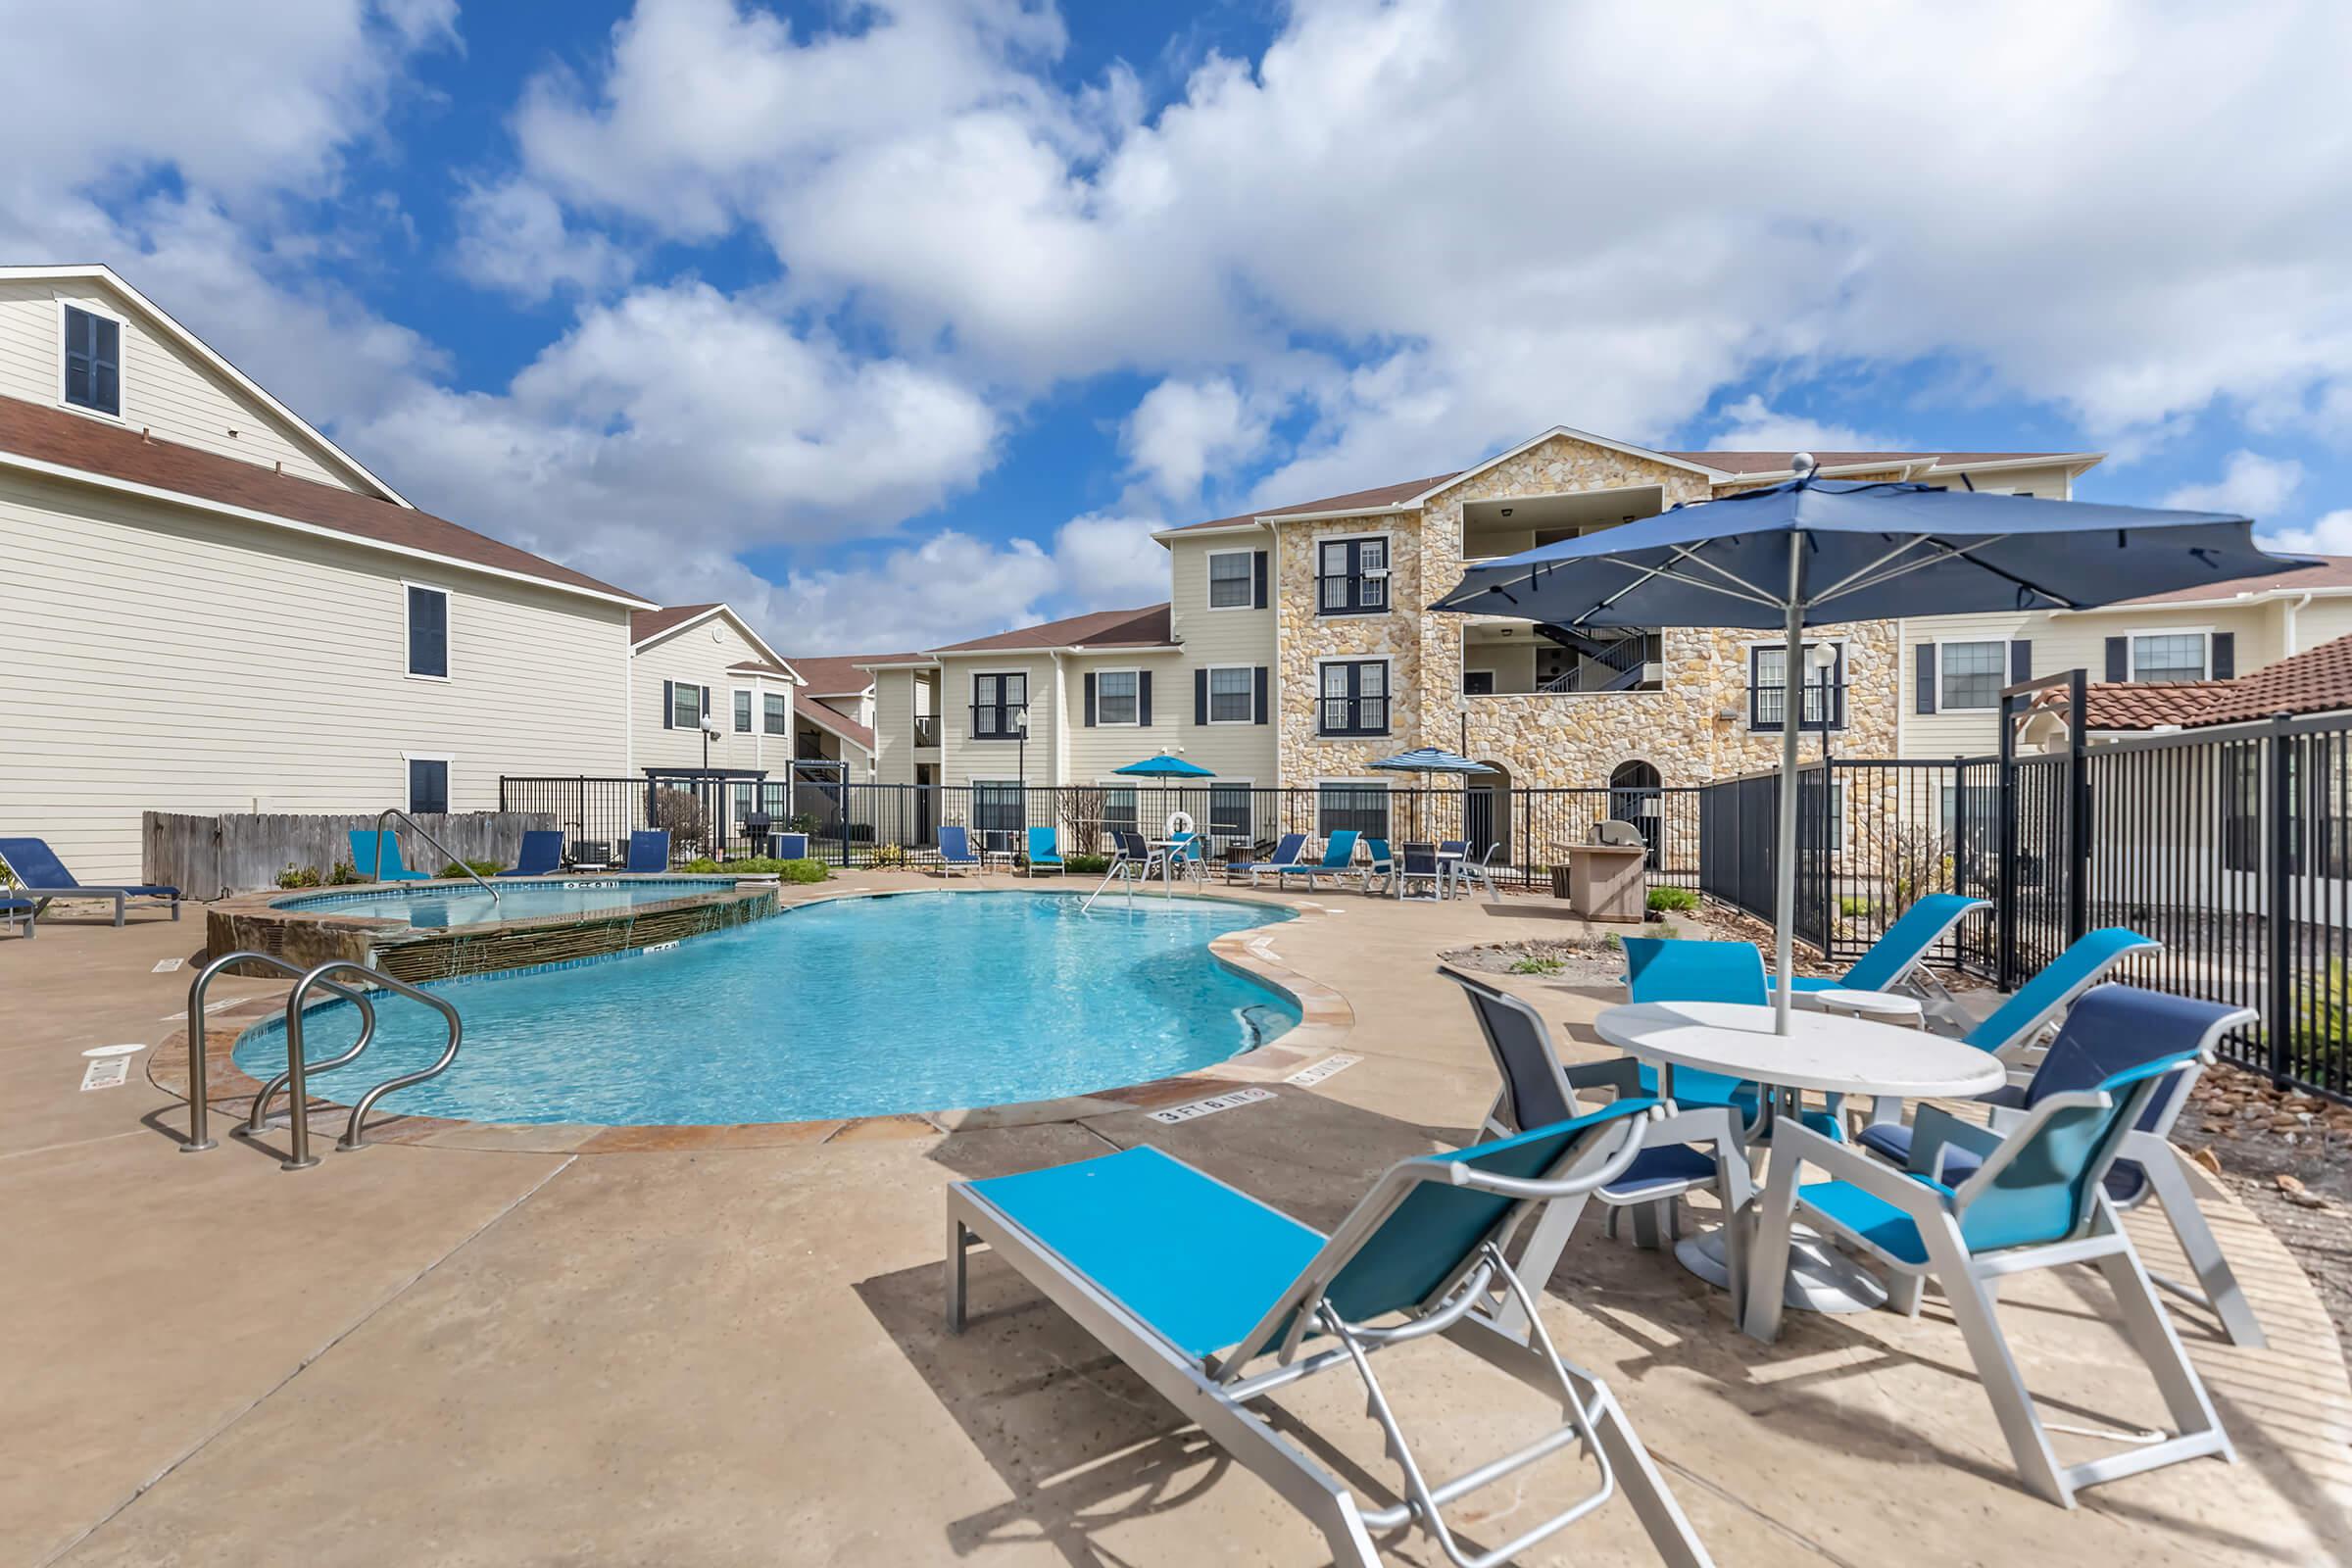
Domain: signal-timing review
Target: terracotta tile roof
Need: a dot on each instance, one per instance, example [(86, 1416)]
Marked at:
[(2316, 680), (2333, 571), (839, 722), (1147, 627), (116, 451), (840, 674), (1778, 462), (1387, 495), (2135, 704), (647, 623)]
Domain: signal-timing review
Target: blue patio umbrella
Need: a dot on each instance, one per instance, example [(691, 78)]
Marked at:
[(1164, 766), (1814, 551)]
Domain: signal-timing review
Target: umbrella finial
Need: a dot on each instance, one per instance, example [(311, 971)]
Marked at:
[(1803, 466)]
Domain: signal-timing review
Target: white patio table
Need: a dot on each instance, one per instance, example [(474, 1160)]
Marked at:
[(1824, 1052)]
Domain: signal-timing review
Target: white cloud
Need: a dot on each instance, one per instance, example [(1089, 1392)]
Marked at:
[(2250, 483), (2331, 534), (1182, 430), (1750, 425), (513, 236), (1110, 562)]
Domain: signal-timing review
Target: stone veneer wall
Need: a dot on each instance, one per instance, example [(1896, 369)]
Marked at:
[(1694, 730)]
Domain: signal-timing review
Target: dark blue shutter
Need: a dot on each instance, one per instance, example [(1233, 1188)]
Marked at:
[(2021, 659), (1924, 682), (1257, 579), (1259, 706), (1090, 700), (706, 702), (669, 704), (2225, 656), (2119, 659), (1143, 697), (428, 633), (1201, 696)]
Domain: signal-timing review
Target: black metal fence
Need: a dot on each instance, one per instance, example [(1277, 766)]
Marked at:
[(866, 824), (2231, 847)]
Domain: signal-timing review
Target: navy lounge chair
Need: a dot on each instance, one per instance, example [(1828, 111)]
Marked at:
[(1193, 1284), (542, 853), (956, 852), (649, 849), (42, 878), (1285, 853)]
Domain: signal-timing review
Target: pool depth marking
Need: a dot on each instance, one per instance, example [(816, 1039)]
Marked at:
[(1329, 1067), (167, 965), (105, 1072), (1209, 1106)]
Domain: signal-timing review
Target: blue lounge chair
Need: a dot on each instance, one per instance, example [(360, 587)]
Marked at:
[(1193, 1284), (2032, 1196), (363, 857), (542, 853), (42, 878), (1899, 957), (955, 848), (649, 851), (1380, 863), (2011, 1030), (1044, 851), (1337, 851), (14, 910), (788, 846), (1691, 1148), (2111, 1027), (1286, 851)]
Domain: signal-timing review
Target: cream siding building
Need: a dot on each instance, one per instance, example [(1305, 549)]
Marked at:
[(700, 668), (212, 610)]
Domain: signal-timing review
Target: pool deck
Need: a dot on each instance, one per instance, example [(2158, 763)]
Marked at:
[(623, 1352)]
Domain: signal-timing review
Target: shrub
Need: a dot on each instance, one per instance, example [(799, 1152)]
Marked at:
[(1856, 906), (886, 856), (343, 874), (457, 868), (298, 876), (1673, 899), (785, 870), (1537, 966), (1087, 865)]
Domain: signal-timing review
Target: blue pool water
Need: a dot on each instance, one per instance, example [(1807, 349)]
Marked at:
[(518, 899), (857, 1008)]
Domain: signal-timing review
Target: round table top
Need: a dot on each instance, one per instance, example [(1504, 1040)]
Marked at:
[(1891, 1003), (1822, 1051)]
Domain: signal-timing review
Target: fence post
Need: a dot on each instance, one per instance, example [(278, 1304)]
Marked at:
[(2278, 1012), (2077, 824), (2004, 914)]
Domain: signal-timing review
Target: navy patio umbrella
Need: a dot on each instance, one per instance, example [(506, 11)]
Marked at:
[(1814, 551)]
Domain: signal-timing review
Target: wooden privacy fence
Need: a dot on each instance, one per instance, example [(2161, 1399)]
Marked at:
[(206, 857)]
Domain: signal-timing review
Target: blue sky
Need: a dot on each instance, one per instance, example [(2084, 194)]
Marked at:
[(898, 323)]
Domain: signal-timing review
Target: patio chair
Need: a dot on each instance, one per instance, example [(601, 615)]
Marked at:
[(1379, 863), (2012, 1030), (1899, 957), (1188, 853), (1539, 1089), (2035, 1198), (14, 910), (1339, 851), (42, 878), (590, 854), (788, 846), (1192, 1283), (649, 849), (364, 847), (542, 853), (1481, 872), (2111, 1027), (1042, 850), (1421, 865), (1286, 851), (1452, 854), (955, 851)]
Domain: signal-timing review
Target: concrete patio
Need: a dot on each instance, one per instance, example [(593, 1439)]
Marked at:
[(475, 1355)]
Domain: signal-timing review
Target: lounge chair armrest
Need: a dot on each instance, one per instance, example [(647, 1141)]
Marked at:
[(1934, 1130), (1623, 1075)]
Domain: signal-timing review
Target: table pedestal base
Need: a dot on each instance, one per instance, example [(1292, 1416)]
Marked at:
[(1821, 1279)]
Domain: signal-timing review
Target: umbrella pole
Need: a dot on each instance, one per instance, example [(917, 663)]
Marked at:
[(1792, 699)]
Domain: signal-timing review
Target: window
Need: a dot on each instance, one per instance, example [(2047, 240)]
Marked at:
[(1232, 694), (1478, 683), (428, 633), (743, 712), (1971, 674), (93, 362), (778, 716), (1230, 812), (997, 701), (428, 784), (1766, 686), (1232, 579), (1351, 576), (1356, 697), (996, 807), (1349, 803), (2168, 658), (1116, 697), (685, 706)]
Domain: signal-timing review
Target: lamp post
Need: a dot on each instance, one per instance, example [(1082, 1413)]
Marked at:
[(1020, 766)]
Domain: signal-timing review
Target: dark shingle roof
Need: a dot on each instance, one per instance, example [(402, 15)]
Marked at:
[(649, 623), (1147, 627)]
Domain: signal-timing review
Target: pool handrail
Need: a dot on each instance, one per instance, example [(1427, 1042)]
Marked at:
[(198, 1090), (298, 1109), (377, 874)]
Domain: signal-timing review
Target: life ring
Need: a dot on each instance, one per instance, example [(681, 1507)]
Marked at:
[(1179, 822)]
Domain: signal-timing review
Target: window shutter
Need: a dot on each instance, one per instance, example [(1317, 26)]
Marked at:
[(1201, 696), (2021, 659), (1259, 708), (706, 702), (1925, 658), (2119, 659), (669, 704), (1257, 579), (1090, 699), (1143, 698), (2225, 656)]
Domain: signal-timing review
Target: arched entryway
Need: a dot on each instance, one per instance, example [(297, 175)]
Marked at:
[(1487, 812), (1634, 797)]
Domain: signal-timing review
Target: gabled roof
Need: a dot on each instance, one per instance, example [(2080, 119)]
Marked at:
[(39, 440), (841, 674), (2316, 680), (2331, 575), (1746, 464), (826, 716), (1147, 627), (649, 627), (99, 273), (1372, 500)]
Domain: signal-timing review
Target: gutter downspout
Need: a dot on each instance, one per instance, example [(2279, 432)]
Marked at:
[(2286, 629)]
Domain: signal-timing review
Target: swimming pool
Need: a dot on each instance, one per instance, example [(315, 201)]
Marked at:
[(519, 899), (852, 1008)]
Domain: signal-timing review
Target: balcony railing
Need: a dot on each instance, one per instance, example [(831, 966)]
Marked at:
[(926, 729)]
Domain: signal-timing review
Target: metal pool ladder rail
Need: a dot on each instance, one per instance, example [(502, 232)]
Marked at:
[(377, 873), (294, 1080)]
